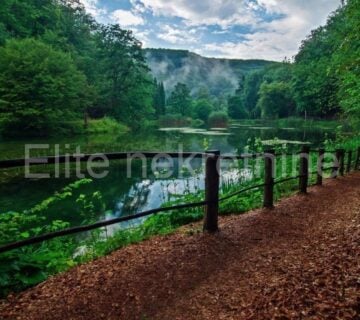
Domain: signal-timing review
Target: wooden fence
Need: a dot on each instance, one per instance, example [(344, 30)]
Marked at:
[(212, 183)]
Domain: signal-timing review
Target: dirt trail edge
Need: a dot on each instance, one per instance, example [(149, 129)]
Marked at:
[(298, 261)]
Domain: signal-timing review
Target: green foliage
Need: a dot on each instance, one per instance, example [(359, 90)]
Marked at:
[(197, 123), (26, 18), (105, 125), (38, 86), (58, 44), (30, 265), (218, 119), (323, 80), (110, 76), (254, 86), (276, 100), (315, 84), (327, 76), (126, 86), (236, 108), (347, 60), (180, 100), (159, 103), (174, 121), (202, 109), (251, 89)]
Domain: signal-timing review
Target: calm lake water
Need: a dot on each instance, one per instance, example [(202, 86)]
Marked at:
[(124, 195)]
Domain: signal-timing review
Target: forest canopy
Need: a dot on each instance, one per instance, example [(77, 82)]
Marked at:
[(59, 65)]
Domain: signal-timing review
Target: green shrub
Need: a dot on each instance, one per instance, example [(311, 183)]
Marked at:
[(174, 120), (218, 119), (197, 123), (40, 87), (105, 125), (30, 265)]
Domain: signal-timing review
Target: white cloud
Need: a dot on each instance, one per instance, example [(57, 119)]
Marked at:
[(268, 39), (278, 38), (92, 7), (137, 6), (175, 35), (143, 36), (126, 18), (204, 12)]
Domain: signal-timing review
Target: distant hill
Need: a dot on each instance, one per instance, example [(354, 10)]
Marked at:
[(220, 76)]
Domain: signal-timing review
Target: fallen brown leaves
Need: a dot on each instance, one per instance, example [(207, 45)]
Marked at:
[(299, 261)]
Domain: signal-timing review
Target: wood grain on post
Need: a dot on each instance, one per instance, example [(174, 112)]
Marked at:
[(212, 182), (304, 169), (349, 160), (320, 166), (269, 166)]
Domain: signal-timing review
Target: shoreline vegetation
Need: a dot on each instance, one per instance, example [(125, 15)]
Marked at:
[(105, 125), (217, 122)]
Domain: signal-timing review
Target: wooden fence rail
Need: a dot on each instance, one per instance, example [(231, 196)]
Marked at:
[(212, 184)]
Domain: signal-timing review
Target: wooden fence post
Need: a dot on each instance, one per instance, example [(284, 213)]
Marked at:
[(304, 169), (320, 164), (269, 166), (348, 166), (342, 162), (357, 162), (336, 165), (212, 182)]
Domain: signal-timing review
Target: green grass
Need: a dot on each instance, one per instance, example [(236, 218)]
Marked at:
[(293, 122), (105, 125), (70, 128)]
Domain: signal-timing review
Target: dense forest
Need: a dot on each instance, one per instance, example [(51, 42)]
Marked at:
[(59, 69), (58, 66)]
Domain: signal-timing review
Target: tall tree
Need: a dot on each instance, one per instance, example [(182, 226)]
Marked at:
[(347, 60), (180, 100), (159, 98), (125, 84), (315, 81), (27, 18), (40, 88), (236, 108), (202, 109), (250, 93), (276, 100)]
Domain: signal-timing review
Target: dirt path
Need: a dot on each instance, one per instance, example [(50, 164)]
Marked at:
[(299, 261)]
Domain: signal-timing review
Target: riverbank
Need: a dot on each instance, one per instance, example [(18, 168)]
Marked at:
[(67, 129), (297, 261)]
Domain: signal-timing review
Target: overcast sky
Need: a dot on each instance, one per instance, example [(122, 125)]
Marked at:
[(244, 29)]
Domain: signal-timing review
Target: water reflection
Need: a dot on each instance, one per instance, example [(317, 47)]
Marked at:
[(123, 195)]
